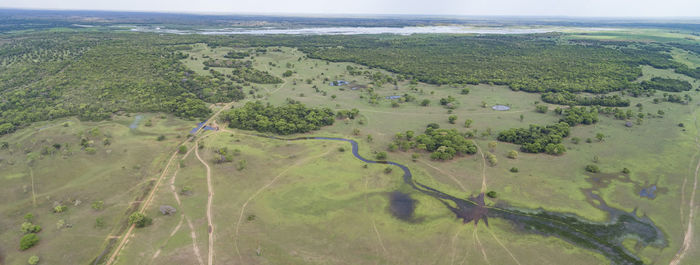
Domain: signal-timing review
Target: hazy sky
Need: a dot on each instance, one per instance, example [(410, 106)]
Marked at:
[(595, 8)]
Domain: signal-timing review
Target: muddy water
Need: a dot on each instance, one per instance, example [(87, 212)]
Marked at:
[(603, 237)]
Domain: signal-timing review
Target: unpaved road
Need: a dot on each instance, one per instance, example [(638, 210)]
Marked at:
[(688, 237)]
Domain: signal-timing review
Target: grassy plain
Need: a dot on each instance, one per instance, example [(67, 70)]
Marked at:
[(307, 202)]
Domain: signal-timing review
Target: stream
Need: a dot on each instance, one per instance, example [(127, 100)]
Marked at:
[(603, 237)]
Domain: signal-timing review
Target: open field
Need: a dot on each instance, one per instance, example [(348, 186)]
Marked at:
[(312, 202)]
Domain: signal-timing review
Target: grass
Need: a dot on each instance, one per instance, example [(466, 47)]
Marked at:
[(315, 204)]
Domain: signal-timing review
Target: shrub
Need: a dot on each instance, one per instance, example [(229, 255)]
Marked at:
[(541, 108), (514, 169), (513, 154), (60, 208), (160, 137), (592, 168), (182, 149), (625, 171), (381, 156), (98, 205), (139, 219), (491, 158), (28, 241), (90, 150), (388, 170), (492, 194), (33, 260), (28, 227)]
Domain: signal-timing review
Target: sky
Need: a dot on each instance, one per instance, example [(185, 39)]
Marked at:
[(570, 8)]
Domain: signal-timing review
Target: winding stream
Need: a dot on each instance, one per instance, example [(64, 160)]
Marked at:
[(603, 237)]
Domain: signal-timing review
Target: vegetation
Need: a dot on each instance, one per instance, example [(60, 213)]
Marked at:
[(286, 119), (537, 139), (28, 241), (443, 144), (666, 84), (139, 220), (568, 98)]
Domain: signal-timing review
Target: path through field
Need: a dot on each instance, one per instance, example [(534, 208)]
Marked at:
[(148, 201), (688, 237), (210, 197)]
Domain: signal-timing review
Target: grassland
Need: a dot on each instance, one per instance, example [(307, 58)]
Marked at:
[(310, 203)]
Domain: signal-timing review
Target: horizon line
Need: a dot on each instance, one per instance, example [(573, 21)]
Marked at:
[(355, 15)]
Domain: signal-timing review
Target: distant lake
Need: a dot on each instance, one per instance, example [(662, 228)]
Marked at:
[(370, 30)]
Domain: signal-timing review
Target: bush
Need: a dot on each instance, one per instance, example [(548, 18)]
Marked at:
[(90, 150), (160, 137), (28, 227), (182, 149), (33, 260), (592, 169), (97, 205), (541, 108), (492, 194), (625, 171), (139, 219), (491, 158), (381, 156), (513, 154), (28, 241), (514, 169), (388, 170)]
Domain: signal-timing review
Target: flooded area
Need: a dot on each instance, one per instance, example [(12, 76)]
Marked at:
[(603, 237), (370, 30)]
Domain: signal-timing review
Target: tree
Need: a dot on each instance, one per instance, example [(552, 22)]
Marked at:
[(381, 156), (425, 102), (492, 145), (28, 241), (625, 171), (160, 137), (452, 119), (491, 158), (28, 227), (182, 149), (514, 169), (287, 73), (468, 123), (541, 108), (599, 136), (512, 154), (387, 170), (139, 220)]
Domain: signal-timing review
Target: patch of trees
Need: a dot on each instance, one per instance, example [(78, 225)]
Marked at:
[(348, 114), (285, 119), (537, 138), (579, 115), (570, 99), (666, 84), (443, 144), (236, 55)]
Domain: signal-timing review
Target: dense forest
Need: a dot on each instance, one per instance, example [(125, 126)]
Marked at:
[(666, 84), (568, 98), (285, 119)]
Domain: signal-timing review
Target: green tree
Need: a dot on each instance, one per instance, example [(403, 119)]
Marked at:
[(452, 119), (28, 241), (182, 149), (599, 136), (512, 154), (468, 123), (381, 156), (139, 220)]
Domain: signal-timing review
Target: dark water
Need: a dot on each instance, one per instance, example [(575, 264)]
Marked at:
[(603, 237), (401, 205)]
